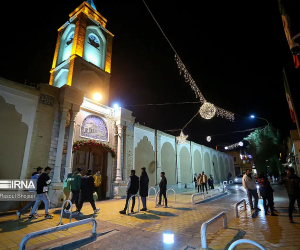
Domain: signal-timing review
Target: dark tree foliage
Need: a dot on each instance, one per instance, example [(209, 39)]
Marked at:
[(265, 146)]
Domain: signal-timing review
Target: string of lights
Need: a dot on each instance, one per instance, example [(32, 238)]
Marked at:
[(207, 110)]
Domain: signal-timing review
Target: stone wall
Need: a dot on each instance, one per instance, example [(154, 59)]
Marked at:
[(179, 162)]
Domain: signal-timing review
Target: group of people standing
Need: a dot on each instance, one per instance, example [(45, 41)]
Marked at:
[(292, 184), (201, 182), (141, 185)]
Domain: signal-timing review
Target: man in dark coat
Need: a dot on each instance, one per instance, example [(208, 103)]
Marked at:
[(144, 184), (132, 189), (292, 182), (87, 189), (163, 189)]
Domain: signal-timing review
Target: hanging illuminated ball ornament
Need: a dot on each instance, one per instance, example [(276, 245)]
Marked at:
[(182, 138), (208, 138), (207, 110)]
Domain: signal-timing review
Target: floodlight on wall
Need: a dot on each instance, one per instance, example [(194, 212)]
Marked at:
[(97, 97)]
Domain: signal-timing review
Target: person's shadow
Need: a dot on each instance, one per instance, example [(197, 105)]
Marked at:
[(15, 225), (271, 229)]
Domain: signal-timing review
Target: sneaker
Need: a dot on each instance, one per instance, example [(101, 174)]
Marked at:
[(122, 212), (79, 214), (257, 209), (66, 211), (291, 220), (159, 204), (36, 215), (144, 209), (132, 211), (31, 217), (19, 215), (48, 216), (96, 210), (75, 213), (273, 214), (165, 206)]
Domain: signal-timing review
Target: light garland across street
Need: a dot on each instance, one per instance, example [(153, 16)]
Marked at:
[(206, 105), (238, 144), (182, 138)]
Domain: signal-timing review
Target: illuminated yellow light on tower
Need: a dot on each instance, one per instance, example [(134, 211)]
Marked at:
[(97, 97)]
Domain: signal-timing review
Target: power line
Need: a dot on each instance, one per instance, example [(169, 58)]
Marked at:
[(160, 104)]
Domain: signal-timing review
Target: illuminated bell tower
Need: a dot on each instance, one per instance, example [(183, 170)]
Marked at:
[(83, 52)]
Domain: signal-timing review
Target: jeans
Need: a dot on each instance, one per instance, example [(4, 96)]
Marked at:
[(28, 205), (127, 199), (41, 198), (293, 199), (163, 193), (204, 185), (75, 199), (83, 197), (144, 199), (199, 188), (252, 193)]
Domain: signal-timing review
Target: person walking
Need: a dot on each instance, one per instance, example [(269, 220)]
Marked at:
[(250, 187), (195, 180), (199, 183), (87, 189), (211, 182), (75, 188), (163, 189), (97, 182), (132, 189), (42, 190), (266, 192), (292, 185), (203, 181), (144, 185), (34, 176)]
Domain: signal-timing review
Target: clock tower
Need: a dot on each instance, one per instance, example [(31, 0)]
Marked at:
[(83, 52)]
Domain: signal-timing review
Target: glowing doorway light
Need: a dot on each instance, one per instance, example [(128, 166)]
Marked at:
[(116, 106), (97, 97), (168, 238)]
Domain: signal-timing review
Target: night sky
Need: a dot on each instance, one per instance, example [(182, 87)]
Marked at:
[(235, 51)]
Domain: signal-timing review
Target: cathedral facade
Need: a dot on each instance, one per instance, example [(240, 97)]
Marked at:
[(68, 124)]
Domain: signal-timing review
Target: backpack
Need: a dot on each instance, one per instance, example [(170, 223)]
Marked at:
[(67, 183)]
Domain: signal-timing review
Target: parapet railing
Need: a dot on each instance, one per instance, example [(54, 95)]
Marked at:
[(171, 189), (205, 224), (196, 194), (224, 182), (230, 182), (138, 197), (55, 229), (236, 207), (242, 241), (62, 210), (150, 190)]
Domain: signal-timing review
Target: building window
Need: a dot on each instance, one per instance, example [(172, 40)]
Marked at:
[(94, 41), (70, 39)]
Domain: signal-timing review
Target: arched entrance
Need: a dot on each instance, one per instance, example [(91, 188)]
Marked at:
[(93, 156)]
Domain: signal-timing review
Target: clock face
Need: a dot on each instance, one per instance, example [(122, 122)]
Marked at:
[(93, 40)]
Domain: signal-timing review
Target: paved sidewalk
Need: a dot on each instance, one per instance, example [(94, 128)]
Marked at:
[(144, 230)]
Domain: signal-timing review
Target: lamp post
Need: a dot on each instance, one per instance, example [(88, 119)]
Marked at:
[(253, 116)]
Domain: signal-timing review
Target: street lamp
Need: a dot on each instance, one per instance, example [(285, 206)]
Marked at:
[(253, 116)]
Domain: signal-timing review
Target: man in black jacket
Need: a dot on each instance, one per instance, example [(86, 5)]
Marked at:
[(144, 182), (132, 189), (292, 182), (87, 189), (163, 189), (42, 196)]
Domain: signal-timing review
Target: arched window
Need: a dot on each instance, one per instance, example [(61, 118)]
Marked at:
[(94, 41), (70, 39)]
